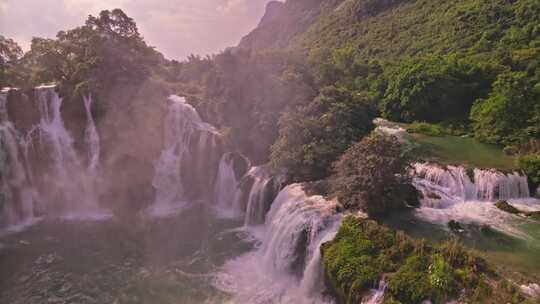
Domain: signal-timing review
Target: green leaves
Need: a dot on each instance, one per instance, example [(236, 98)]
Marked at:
[(371, 175)]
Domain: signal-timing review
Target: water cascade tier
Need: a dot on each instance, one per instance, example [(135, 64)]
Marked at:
[(287, 267), (459, 183), (469, 196), (18, 198), (227, 191), (42, 162), (188, 163)]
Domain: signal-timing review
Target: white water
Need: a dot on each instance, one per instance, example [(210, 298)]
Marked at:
[(226, 190), (264, 185), (454, 182), (14, 180), (69, 181), (388, 128), (450, 194), (181, 123), (91, 136), (377, 294), (64, 186), (295, 227)]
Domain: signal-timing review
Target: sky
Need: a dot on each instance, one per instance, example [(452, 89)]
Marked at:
[(177, 28)]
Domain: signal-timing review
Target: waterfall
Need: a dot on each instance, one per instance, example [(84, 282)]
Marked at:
[(53, 132), (263, 191), (468, 196), (377, 296), (181, 124), (227, 192), (68, 187), (17, 199), (18, 196), (91, 136), (287, 267), (456, 183)]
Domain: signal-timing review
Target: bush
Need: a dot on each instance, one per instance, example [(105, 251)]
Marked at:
[(372, 176), (411, 284), (363, 252), (530, 164)]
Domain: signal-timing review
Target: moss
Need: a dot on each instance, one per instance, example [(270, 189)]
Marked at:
[(505, 206), (535, 215), (363, 252), (426, 129), (411, 283)]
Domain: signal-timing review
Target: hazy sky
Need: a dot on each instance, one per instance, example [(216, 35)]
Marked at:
[(176, 28)]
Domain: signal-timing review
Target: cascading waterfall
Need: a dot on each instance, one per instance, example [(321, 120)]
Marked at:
[(64, 186), (455, 182), (17, 195), (468, 196), (91, 136), (377, 296), (71, 183), (263, 191), (287, 267), (181, 123), (227, 192)]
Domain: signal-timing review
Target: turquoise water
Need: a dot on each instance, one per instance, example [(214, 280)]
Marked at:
[(465, 151)]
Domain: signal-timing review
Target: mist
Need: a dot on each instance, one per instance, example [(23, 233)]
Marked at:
[(176, 28)]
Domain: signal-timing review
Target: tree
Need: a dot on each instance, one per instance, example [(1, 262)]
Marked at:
[(434, 89), (10, 51), (313, 136), (372, 176), (508, 111)]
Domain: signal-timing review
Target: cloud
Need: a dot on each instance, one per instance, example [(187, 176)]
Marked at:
[(177, 28)]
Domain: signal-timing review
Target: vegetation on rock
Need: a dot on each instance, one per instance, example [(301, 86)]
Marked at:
[(364, 252)]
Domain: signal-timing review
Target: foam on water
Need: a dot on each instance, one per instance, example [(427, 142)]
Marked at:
[(226, 190), (449, 193), (295, 227)]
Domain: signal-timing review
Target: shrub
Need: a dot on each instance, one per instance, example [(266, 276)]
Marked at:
[(411, 284), (530, 164), (372, 176)]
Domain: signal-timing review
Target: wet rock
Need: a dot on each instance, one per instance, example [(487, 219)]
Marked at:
[(455, 226), (505, 206)]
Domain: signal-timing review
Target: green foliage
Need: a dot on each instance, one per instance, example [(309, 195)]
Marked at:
[(363, 252), (506, 113), (105, 52), (314, 135), (246, 93), (360, 253), (416, 45), (433, 89), (426, 128), (530, 164), (441, 277), (411, 283), (10, 51), (372, 175)]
